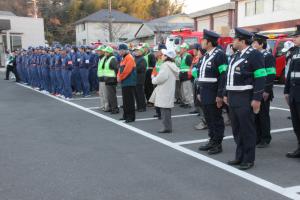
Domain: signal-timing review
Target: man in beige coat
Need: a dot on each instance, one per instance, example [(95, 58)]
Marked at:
[(164, 93)]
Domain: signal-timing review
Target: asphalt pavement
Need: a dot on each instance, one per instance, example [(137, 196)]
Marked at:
[(52, 149)]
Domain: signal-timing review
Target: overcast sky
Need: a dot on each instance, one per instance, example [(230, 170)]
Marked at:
[(195, 5)]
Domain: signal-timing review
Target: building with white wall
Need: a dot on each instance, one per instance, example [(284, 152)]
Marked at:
[(268, 15), (220, 18), (22, 33), (156, 30), (94, 27)]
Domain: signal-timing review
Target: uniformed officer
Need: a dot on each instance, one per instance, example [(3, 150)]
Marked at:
[(45, 67), (53, 82), (58, 72), (33, 69), (262, 119), (84, 71), (66, 63), (75, 78), (291, 91), (211, 78), (245, 82)]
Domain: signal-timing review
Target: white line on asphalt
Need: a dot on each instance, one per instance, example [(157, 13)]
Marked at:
[(278, 108), (242, 174), (174, 116), (88, 98), (93, 108), (228, 137)]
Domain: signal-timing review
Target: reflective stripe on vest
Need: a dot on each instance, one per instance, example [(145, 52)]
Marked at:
[(147, 60), (183, 66), (107, 71), (100, 67), (295, 74), (239, 87), (208, 80)]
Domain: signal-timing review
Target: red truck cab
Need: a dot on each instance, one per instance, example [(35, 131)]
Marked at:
[(276, 44), (177, 37)]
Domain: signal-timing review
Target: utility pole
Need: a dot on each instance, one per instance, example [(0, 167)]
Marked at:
[(35, 9), (110, 22)]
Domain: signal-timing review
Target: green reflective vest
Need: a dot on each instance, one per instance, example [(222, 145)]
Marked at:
[(147, 60), (100, 67), (107, 71), (183, 66)]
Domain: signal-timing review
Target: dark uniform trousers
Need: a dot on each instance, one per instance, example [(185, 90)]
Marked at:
[(215, 122), (112, 97), (140, 96), (243, 126), (295, 115), (148, 84), (263, 124), (128, 102)]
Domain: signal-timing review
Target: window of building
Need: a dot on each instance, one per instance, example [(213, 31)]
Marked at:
[(254, 7), (82, 27), (84, 41), (15, 42), (279, 5)]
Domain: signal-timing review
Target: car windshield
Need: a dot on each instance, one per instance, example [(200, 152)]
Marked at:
[(191, 40)]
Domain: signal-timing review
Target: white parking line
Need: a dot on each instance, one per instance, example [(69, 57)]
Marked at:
[(93, 108), (228, 137), (88, 98), (155, 118), (279, 108), (242, 174)]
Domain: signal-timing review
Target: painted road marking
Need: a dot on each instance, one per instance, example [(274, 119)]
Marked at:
[(242, 174), (229, 137)]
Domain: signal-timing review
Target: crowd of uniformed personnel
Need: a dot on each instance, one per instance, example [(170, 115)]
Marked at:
[(201, 76)]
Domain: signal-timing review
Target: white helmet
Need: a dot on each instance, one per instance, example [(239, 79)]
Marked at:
[(287, 46)]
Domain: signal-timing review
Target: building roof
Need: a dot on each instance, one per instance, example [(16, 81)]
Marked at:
[(7, 13), (220, 8), (103, 16), (167, 18)]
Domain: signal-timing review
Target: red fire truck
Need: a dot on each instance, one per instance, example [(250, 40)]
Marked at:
[(188, 36), (276, 43)]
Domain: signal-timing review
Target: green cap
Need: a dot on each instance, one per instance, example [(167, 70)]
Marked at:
[(146, 45), (101, 48), (108, 49), (139, 48), (185, 46)]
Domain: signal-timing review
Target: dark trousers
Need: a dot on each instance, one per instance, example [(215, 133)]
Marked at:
[(263, 123), (295, 114), (215, 122), (140, 97), (112, 97), (148, 84), (166, 118), (128, 102), (158, 111), (13, 70), (244, 132)]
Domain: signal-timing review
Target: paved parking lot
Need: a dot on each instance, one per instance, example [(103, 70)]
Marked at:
[(56, 149)]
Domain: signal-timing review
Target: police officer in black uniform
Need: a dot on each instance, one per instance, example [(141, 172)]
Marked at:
[(245, 82), (211, 78), (262, 119), (291, 91)]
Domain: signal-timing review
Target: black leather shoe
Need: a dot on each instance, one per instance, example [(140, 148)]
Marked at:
[(262, 145), (234, 162), (129, 120), (164, 131), (207, 146), (121, 119), (215, 149), (115, 111), (246, 166), (294, 154), (193, 112)]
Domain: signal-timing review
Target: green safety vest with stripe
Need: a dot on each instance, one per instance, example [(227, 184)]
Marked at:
[(106, 71), (147, 60), (183, 66), (100, 72)]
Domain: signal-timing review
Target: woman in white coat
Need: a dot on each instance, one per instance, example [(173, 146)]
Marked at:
[(164, 93)]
